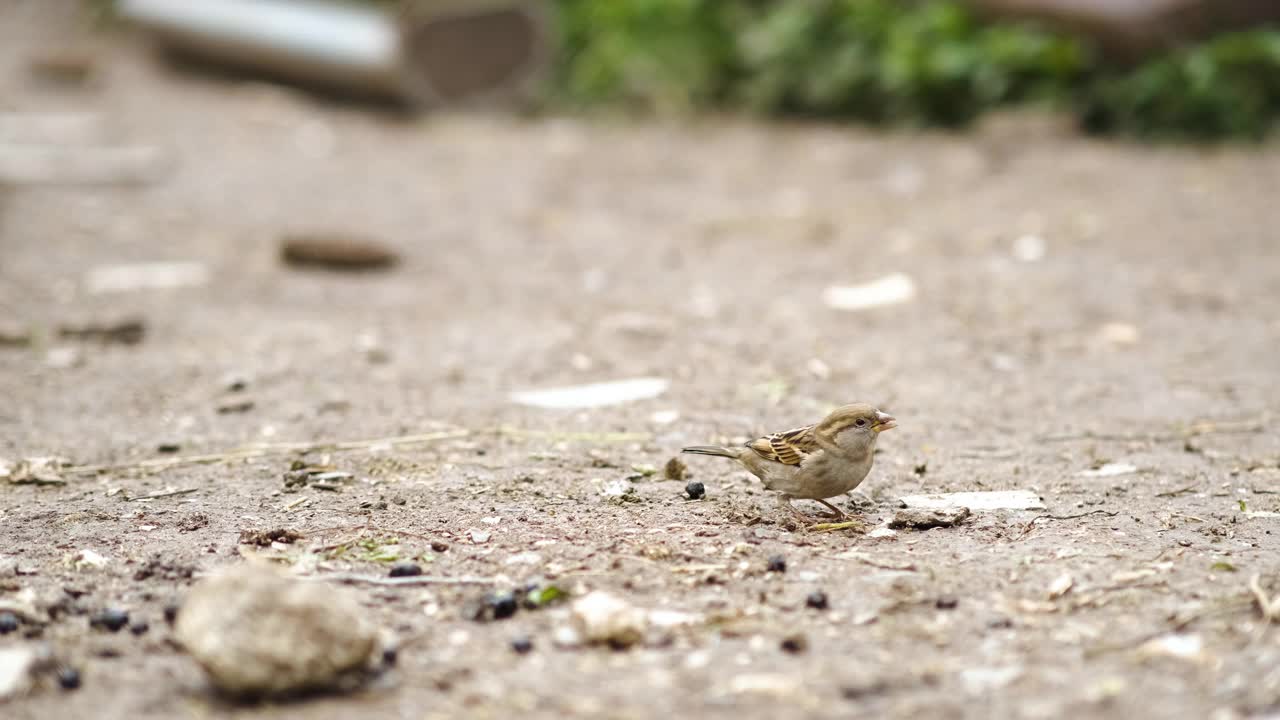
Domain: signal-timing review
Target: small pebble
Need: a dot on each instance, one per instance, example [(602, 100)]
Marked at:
[(794, 643), (695, 490), (139, 628), (68, 678), (777, 564), (947, 602), (389, 656), (111, 619), (170, 613), (168, 447), (504, 604), (405, 569), (521, 645), (816, 600), (8, 623), (439, 546)]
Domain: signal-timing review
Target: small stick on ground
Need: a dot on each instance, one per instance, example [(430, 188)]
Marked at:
[(164, 494), (1270, 607), (354, 579), (832, 527), (1031, 523)]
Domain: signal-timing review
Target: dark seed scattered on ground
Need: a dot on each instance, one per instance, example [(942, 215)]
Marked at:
[(406, 569), (947, 602), (111, 619), (777, 564), (521, 645), (695, 490), (390, 656), (504, 604), (794, 643), (170, 613), (68, 678), (8, 623), (816, 600), (168, 447), (439, 546), (139, 628), (336, 251)]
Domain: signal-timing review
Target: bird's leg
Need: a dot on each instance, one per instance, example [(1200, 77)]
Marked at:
[(785, 502), (836, 512)]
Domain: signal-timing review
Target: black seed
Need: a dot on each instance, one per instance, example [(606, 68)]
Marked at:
[(695, 490), (405, 569), (503, 604), (946, 602), (390, 656), (139, 628), (170, 613), (168, 447), (816, 600), (794, 643), (521, 645), (777, 564), (8, 623), (68, 678), (111, 619)]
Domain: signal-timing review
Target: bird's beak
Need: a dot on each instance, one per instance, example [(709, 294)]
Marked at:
[(884, 421)]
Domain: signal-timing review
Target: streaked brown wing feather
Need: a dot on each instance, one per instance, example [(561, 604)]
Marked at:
[(789, 447)]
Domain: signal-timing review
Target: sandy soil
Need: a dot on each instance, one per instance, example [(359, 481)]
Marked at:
[(548, 252)]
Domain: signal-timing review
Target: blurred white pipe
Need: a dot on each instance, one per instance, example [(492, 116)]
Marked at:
[(362, 49)]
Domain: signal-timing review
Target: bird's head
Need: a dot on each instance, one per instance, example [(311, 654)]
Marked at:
[(856, 424)]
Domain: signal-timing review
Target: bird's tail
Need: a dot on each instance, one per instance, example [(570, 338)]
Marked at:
[(715, 450)]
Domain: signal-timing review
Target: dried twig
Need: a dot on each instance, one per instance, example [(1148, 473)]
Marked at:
[(1179, 491), (355, 579), (162, 494), (1270, 607), (1026, 530), (875, 562), (267, 449), (832, 527)]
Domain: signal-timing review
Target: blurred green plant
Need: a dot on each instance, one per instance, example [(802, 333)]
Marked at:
[(929, 63)]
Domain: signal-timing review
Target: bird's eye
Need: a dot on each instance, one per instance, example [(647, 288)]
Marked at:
[(860, 422)]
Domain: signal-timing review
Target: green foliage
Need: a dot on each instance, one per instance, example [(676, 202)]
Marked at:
[(905, 63)]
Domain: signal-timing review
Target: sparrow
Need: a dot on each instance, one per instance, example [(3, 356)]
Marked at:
[(813, 462)]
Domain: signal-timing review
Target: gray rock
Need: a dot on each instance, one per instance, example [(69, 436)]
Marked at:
[(259, 633)]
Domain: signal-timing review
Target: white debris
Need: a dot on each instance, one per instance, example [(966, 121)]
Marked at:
[(88, 559), (480, 537), (1030, 248), (977, 501), (18, 666), (818, 368), (528, 557), (594, 394), (1178, 646), (600, 617), (664, 417), (1109, 470), (765, 684), (62, 358), (146, 276), (979, 681), (882, 532), (1115, 333), (888, 290), (1061, 586)]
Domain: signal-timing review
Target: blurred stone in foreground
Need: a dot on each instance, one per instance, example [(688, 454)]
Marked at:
[(257, 632), (428, 54), (1132, 28)]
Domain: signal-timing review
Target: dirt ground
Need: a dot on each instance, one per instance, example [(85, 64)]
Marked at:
[(558, 251)]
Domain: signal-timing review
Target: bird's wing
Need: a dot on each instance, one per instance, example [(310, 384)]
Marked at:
[(789, 447)]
